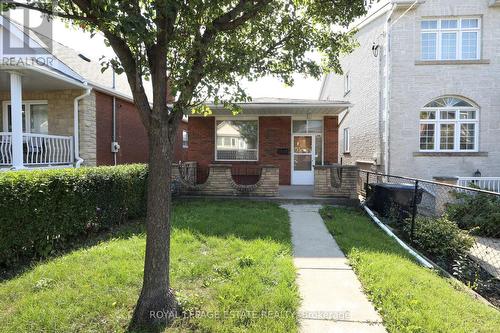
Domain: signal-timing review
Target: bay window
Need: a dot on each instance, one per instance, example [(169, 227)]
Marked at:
[(451, 39), (236, 140), (449, 124)]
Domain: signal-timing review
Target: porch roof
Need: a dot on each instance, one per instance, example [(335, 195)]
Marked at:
[(37, 79), (285, 106)]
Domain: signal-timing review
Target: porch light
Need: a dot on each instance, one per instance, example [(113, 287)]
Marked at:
[(477, 173)]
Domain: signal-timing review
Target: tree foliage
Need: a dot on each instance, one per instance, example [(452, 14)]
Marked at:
[(203, 49), (212, 45)]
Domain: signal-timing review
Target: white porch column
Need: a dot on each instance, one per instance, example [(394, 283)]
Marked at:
[(16, 100)]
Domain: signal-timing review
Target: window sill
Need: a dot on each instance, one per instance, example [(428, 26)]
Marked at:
[(452, 62), (450, 154)]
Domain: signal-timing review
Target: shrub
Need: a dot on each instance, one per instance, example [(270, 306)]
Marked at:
[(479, 213), (439, 238), (45, 210)]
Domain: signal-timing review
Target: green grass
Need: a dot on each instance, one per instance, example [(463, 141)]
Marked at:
[(226, 257), (410, 298)]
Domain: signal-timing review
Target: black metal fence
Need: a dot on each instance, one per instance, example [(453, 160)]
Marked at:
[(458, 228)]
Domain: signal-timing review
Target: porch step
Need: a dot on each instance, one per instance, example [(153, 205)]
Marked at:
[(282, 200)]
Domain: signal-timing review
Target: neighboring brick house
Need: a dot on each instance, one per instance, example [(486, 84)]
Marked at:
[(293, 135), (425, 88), (61, 110)]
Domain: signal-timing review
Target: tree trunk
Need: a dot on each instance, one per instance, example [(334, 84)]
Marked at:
[(156, 304)]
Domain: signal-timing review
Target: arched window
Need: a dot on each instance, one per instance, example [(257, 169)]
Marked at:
[(449, 124)]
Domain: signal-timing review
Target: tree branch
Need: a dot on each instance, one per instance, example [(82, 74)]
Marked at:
[(50, 12), (127, 60)]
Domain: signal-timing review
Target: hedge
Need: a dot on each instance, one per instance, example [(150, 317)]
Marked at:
[(479, 213), (44, 211), (439, 238)]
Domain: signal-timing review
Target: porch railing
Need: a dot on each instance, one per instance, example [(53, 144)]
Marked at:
[(485, 183), (38, 149), (5, 148)]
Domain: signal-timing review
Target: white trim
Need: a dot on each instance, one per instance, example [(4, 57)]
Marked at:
[(293, 177), (346, 141), (236, 119), (347, 83), (76, 127), (313, 135), (457, 122), (185, 144)]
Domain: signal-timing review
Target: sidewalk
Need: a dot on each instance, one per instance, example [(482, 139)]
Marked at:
[(332, 297)]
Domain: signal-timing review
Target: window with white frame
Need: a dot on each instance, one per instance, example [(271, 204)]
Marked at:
[(347, 83), (449, 124), (35, 119), (185, 139), (347, 141), (451, 39), (236, 140)]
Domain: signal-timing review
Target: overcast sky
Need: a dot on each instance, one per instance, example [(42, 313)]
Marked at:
[(268, 87)]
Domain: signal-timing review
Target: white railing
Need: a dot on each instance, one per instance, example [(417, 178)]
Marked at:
[(5, 148), (38, 149), (236, 154), (485, 183), (47, 149)]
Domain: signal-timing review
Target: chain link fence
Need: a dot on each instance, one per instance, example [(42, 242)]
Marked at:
[(456, 227)]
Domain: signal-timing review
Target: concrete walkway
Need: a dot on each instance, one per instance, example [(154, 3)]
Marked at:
[(332, 297)]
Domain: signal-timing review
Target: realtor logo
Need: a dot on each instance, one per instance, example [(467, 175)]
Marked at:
[(26, 36)]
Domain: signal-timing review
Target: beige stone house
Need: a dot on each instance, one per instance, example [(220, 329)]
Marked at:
[(58, 109), (425, 88)]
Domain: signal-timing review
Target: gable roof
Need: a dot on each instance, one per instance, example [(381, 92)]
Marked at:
[(37, 47)]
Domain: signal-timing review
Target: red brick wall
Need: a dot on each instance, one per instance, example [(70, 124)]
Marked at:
[(131, 134), (180, 153), (201, 141), (104, 128), (331, 139), (274, 133)]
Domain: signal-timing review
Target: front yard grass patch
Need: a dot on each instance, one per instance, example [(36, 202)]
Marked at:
[(409, 297), (230, 263)]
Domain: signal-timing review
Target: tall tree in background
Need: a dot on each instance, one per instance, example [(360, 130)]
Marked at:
[(203, 48)]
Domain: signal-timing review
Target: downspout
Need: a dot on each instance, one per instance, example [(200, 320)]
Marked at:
[(114, 119), (76, 127), (387, 89)]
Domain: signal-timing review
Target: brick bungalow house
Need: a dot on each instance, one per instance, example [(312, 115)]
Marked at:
[(296, 136), (59, 110)]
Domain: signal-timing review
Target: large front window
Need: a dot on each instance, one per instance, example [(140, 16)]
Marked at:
[(36, 120), (237, 140), (449, 124), (451, 39)]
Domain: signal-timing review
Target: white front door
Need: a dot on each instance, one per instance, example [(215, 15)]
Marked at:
[(303, 159)]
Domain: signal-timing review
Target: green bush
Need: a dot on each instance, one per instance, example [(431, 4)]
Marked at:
[(439, 238), (45, 210), (479, 213)]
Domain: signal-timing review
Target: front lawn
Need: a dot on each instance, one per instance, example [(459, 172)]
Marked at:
[(410, 298), (231, 262)]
